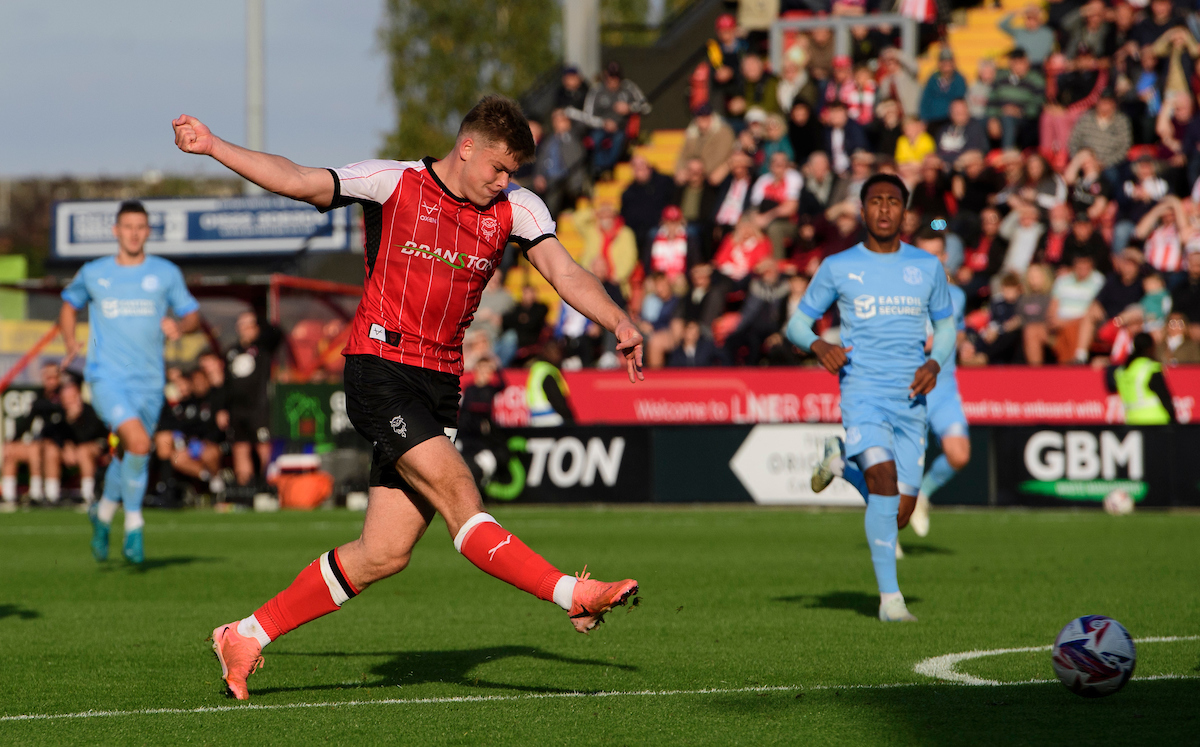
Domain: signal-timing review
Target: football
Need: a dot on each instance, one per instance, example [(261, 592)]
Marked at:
[(1094, 656), (1118, 503)]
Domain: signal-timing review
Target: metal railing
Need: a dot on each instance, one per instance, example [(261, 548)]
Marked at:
[(841, 32)]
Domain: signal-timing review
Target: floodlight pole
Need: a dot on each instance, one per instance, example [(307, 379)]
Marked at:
[(255, 129), (581, 36)]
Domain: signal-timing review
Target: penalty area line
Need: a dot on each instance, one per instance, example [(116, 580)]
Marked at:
[(511, 698)]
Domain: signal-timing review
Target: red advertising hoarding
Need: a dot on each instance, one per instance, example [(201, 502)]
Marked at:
[(998, 395)]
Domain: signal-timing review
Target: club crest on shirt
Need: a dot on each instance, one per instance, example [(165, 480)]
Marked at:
[(488, 226), (150, 283), (399, 426), (912, 275)]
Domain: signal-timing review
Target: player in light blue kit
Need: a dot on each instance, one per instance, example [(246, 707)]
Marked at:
[(127, 298), (947, 420), (885, 291)]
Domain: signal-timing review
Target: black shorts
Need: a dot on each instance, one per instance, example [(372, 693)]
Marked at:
[(250, 423), (396, 407)]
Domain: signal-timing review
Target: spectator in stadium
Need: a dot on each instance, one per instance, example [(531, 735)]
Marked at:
[(494, 303), (1187, 296), (762, 314), (1136, 197), (1141, 384), (980, 92), (1034, 310), (673, 249), (1070, 298), (697, 201), (1155, 303), (1179, 132), (527, 320), (1085, 239), (931, 196), (819, 184), (1161, 19), (849, 186), (973, 184), (758, 89), (1086, 26), (1052, 246), (1023, 230), (805, 132), (886, 130), (1089, 192), (179, 445), (1072, 88), (1104, 131), (820, 52), (576, 337), (841, 86), (247, 377), (1016, 102), (775, 139), (643, 200), (709, 138), (982, 259), (561, 165), (1162, 242), (1177, 347), (862, 99), (608, 241), (1122, 290), (842, 136), (572, 91), (483, 448), (33, 437), (724, 60), (1037, 185), (737, 256), (912, 148), (960, 133), (776, 200), (86, 441), (898, 80), (607, 110), (1000, 339), (695, 349), (734, 182), (1032, 36), (660, 308), (795, 84), (947, 86), (866, 43)]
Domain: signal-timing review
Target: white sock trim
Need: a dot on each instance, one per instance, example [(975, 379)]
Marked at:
[(250, 628), (53, 489), (564, 592), (35, 489), (87, 486), (106, 511), (336, 591), (8, 488), (470, 524), (134, 521)]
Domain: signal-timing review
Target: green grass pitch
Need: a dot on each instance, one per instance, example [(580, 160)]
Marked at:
[(755, 627)]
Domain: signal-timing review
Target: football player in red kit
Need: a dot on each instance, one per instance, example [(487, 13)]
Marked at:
[(434, 233)]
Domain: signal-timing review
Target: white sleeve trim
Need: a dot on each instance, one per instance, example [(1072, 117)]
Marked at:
[(530, 218), (374, 180)]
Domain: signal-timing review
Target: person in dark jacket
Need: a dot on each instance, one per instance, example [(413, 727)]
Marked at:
[(643, 201)]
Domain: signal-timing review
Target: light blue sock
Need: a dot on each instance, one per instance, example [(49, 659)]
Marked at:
[(135, 469), (938, 475), (880, 523), (853, 475)]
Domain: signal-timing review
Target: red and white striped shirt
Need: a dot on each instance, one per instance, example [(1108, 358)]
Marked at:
[(428, 254), (1163, 249)]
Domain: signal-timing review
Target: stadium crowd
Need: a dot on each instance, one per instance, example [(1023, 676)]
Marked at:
[(1065, 181)]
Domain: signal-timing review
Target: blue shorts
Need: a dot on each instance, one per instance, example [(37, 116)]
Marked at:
[(116, 403), (879, 429), (946, 416)]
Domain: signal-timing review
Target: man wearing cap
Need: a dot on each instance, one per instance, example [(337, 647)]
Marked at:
[(1036, 39), (1016, 100), (709, 138), (607, 110), (725, 60), (948, 85)]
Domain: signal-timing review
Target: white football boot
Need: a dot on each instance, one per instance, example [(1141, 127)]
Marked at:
[(919, 521), (894, 610), (823, 473)]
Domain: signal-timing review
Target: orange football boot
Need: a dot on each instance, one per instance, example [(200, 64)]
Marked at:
[(592, 599), (240, 657)]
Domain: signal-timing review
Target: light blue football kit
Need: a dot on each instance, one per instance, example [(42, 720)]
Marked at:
[(126, 305), (946, 416), (885, 301)]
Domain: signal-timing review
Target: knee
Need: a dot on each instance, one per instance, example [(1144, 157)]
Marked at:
[(136, 443), (959, 457), (882, 481)]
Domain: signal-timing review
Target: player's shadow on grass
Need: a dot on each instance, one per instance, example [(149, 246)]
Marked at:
[(12, 610), (154, 564), (407, 668), (855, 601)]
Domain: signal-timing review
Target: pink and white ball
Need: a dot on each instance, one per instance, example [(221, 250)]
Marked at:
[(1118, 503), (1094, 656)]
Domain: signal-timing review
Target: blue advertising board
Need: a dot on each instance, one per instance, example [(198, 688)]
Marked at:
[(203, 227)]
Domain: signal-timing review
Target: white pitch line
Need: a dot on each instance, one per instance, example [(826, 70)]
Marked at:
[(510, 698), (944, 667)]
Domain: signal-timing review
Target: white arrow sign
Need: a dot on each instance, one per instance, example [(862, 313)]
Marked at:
[(775, 464)]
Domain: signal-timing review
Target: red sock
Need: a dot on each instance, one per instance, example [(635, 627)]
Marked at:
[(498, 552), (320, 588)]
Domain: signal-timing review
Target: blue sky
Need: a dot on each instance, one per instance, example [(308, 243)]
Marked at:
[(90, 88)]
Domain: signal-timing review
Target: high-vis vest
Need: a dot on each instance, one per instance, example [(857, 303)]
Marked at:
[(541, 412), (1142, 406)]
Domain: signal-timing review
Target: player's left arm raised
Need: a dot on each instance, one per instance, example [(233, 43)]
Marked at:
[(583, 291)]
